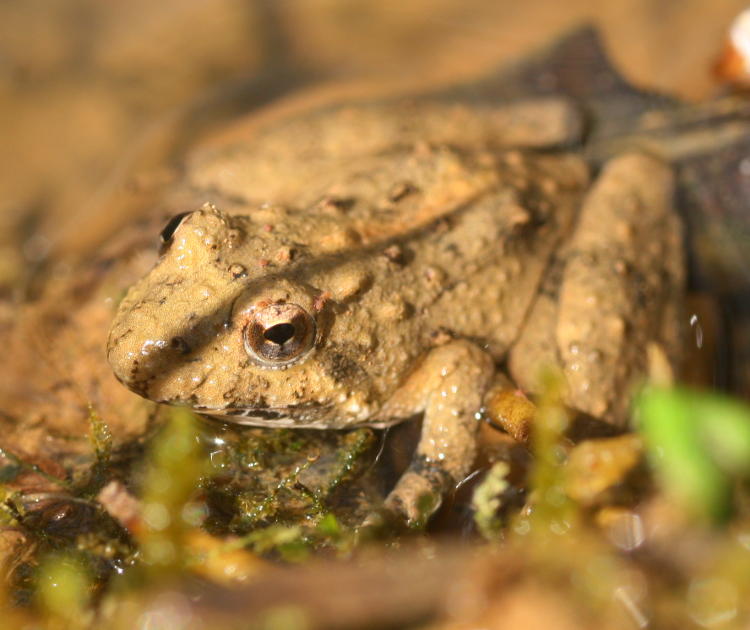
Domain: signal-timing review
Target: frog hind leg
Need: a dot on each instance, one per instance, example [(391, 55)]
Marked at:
[(618, 287), (448, 387), (614, 293)]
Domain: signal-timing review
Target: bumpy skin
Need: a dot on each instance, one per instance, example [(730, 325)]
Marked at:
[(417, 243), (617, 289)]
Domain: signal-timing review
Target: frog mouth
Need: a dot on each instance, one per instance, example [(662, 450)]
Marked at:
[(300, 416)]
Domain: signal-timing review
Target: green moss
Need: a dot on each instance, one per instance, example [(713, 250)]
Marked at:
[(549, 509), (289, 495), (487, 501), (174, 467), (65, 589)]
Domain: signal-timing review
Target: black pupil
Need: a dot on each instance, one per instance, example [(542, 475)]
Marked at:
[(169, 229), (279, 334)]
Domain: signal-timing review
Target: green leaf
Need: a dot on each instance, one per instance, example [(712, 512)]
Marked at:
[(683, 432), (724, 426)]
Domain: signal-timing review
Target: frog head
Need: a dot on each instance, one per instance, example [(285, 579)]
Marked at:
[(229, 323)]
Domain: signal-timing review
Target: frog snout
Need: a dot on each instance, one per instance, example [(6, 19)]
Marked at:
[(141, 349), (136, 362)]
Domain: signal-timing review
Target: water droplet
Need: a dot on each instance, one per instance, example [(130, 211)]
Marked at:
[(625, 596), (156, 516), (555, 496), (522, 527), (744, 539), (627, 531), (695, 324), (218, 458), (712, 602), (559, 528)]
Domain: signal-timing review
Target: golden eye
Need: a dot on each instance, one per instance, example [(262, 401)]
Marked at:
[(279, 334)]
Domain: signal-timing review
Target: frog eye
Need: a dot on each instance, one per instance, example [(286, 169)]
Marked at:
[(165, 236), (279, 334)]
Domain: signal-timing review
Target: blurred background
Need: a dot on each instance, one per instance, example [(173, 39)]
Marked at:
[(86, 85), (96, 96)]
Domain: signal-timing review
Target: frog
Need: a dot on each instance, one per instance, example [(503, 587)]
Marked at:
[(365, 264)]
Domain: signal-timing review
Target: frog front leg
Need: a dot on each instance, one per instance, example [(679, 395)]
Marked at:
[(448, 387)]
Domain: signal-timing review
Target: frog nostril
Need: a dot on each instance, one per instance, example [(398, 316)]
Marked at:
[(279, 334), (179, 344)]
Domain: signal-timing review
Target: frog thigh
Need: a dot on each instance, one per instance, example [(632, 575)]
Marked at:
[(449, 387), (620, 279), (614, 293)]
